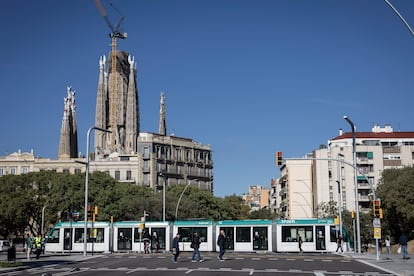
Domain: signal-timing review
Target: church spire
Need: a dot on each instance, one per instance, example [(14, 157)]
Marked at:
[(132, 111), (162, 128), (101, 107), (68, 144)]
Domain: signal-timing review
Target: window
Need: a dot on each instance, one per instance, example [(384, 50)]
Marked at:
[(243, 234), (333, 233), (117, 175), (290, 233), (13, 170), (260, 238), (186, 233), (1, 171), (139, 236), (25, 170), (124, 158), (146, 179), (128, 175), (146, 152), (65, 170), (53, 237), (158, 235), (97, 233)]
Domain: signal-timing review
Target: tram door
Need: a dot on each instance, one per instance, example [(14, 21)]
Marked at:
[(124, 238), (229, 235), (67, 239), (260, 238), (320, 238)]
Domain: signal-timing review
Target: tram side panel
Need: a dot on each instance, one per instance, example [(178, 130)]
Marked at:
[(316, 235), (69, 237), (247, 235), (187, 229), (132, 236)]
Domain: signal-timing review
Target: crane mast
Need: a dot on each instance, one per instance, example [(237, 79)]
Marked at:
[(112, 100), (113, 123)]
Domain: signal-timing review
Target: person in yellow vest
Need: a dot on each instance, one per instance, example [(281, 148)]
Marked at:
[(38, 245)]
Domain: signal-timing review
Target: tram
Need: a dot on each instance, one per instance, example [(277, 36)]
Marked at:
[(318, 235)]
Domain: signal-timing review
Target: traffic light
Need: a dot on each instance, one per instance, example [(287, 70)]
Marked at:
[(376, 206), (90, 214), (279, 158), (95, 213), (353, 214)]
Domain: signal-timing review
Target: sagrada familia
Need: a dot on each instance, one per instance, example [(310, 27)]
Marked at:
[(126, 153), (124, 133)]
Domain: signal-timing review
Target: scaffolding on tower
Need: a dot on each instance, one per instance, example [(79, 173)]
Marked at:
[(114, 35)]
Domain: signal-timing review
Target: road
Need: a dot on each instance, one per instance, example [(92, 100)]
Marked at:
[(161, 264)]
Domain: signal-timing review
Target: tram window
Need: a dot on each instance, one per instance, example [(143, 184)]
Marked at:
[(243, 234), (260, 238), (137, 237), (186, 233), (99, 235), (79, 233), (158, 236), (54, 236), (333, 232), (289, 233)]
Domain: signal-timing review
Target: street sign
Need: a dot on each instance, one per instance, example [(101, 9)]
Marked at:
[(376, 223), (377, 233)]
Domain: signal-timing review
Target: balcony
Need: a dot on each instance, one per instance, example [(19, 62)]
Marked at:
[(364, 198)]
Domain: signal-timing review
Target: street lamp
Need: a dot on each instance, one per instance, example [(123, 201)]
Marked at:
[(355, 182), (163, 196), (400, 16), (339, 192), (179, 199), (43, 220), (85, 230)]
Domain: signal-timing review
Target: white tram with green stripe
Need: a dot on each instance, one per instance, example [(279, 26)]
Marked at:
[(318, 235)]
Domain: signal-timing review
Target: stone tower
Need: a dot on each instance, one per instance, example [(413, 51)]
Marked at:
[(68, 143), (126, 130)]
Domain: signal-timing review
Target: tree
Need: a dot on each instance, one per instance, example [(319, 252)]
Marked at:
[(396, 191), (328, 209)]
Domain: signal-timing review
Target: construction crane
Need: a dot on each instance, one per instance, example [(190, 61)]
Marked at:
[(115, 33)]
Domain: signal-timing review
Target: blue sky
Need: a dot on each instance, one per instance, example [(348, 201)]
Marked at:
[(248, 77)]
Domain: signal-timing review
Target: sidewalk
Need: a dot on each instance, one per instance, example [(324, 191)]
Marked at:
[(43, 260), (392, 263)]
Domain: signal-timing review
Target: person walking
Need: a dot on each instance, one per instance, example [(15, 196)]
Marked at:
[(195, 244), (388, 245), (221, 242), (147, 243), (176, 247), (300, 241), (339, 243), (403, 243), (29, 243), (38, 246)]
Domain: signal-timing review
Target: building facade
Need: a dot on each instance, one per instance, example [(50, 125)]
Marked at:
[(257, 197), (327, 174)]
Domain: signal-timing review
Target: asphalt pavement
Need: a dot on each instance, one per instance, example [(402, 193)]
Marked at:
[(392, 263)]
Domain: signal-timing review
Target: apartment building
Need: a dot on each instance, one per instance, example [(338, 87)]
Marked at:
[(257, 197), (329, 171)]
